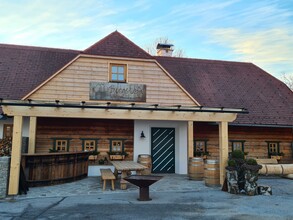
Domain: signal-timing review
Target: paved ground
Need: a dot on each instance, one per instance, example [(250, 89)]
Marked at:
[(173, 197)]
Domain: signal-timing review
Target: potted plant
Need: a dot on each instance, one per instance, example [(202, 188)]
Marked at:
[(276, 155), (117, 155), (232, 177), (93, 155), (251, 169), (235, 172), (202, 154)]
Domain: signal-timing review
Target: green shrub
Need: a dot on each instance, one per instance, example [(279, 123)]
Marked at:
[(251, 161), (231, 163), (237, 154)]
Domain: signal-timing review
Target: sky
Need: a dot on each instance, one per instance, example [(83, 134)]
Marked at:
[(259, 31)]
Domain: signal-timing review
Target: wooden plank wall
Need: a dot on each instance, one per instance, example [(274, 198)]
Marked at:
[(72, 83), (255, 139), (48, 128)]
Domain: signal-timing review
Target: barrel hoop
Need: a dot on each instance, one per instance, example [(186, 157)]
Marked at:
[(211, 168), (212, 162)]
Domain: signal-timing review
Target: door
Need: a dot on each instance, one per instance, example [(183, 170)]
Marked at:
[(163, 150)]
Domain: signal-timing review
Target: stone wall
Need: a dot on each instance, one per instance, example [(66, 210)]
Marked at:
[(4, 171)]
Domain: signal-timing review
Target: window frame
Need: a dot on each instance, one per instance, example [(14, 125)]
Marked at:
[(205, 146), (84, 140), (237, 141), (61, 139), (122, 140), (125, 73), (278, 147)]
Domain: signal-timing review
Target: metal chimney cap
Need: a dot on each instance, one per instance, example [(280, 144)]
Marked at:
[(164, 46)]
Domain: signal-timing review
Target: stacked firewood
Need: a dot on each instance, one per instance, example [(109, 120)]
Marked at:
[(5, 146)]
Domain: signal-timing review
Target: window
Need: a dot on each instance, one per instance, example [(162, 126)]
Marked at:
[(237, 145), (118, 72), (200, 148), (61, 144), (7, 130), (117, 145), (273, 148), (89, 144)]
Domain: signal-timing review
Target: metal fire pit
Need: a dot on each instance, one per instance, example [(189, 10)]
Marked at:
[(143, 182)]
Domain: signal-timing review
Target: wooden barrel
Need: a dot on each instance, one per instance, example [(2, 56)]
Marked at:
[(195, 168), (212, 173), (146, 160)]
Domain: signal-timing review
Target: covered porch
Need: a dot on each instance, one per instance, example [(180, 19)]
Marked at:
[(137, 112)]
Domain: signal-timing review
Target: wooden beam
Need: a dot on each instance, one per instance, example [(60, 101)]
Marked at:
[(190, 138), (32, 135), (223, 142), (15, 156), (117, 114)]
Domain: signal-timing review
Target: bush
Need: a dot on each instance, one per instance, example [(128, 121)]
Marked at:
[(251, 161), (237, 154), (231, 163)]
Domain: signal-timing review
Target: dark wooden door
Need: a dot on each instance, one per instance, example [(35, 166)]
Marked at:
[(163, 150)]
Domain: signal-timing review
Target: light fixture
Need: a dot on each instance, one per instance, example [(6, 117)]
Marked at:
[(142, 135), (82, 103)]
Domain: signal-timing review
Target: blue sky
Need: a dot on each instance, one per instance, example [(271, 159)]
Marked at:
[(260, 32)]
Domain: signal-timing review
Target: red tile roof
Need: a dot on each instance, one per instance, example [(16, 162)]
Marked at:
[(23, 68), (211, 83), (236, 85), (117, 45)]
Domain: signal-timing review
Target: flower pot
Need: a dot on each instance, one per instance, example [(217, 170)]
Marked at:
[(232, 181), (117, 157)]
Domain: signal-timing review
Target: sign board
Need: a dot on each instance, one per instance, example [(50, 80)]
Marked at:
[(117, 92)]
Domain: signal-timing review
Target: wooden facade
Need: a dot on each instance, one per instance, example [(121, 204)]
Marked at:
[(255, 140), (72, 83), (76, 130)]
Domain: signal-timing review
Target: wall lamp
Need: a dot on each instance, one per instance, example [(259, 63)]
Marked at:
[(142, 135)]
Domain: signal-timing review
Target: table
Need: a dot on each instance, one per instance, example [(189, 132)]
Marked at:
[(125, 167)]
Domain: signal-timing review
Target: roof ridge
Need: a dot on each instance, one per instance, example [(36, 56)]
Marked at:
[(28, 47)]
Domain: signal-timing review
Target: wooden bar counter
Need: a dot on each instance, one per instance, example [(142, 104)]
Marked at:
[(54, 168)]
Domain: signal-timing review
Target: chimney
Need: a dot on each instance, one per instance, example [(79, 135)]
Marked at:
[(164, 50)]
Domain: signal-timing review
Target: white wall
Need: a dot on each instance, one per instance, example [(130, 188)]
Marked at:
[(143, 146)]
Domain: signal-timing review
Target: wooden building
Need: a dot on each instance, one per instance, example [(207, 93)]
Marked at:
[(115, 97)]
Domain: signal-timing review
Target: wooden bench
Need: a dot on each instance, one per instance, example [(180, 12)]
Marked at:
[(106, 174)]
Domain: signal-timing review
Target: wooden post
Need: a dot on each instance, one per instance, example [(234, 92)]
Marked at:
[(223, 142), (15, 156), (32, 135), (190, 138)]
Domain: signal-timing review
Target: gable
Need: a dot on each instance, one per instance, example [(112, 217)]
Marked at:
[(73, 82), (117, 45)]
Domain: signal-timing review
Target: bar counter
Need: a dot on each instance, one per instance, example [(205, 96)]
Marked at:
[(42, 169)]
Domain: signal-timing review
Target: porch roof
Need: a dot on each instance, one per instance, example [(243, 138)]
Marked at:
[(109, 110)]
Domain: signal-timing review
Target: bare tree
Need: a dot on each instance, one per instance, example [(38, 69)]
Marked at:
[(288, 79), (151, 49)]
